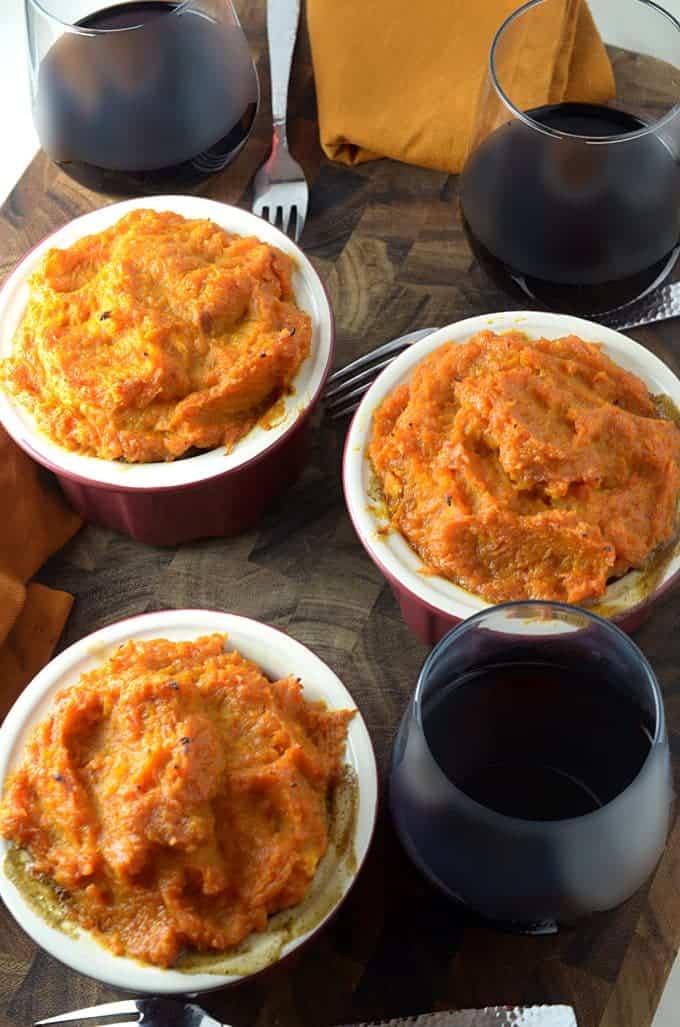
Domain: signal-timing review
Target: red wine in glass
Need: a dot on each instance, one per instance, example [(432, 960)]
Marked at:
[(159, 102), (530, 775), (526, 739), (574, 224)]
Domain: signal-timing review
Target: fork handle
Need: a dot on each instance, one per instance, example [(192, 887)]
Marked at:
[(282, 25)]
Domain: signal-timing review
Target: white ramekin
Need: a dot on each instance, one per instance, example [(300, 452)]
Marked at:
[(278, 655)]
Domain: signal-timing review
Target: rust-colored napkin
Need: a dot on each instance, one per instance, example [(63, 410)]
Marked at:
[(401, 80), (34, 523)]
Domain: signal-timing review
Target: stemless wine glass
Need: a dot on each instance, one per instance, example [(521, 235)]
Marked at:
[(143, 96), (531, 773), (572, 204)]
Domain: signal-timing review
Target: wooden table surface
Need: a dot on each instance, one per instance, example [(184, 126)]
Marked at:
[(388, 244)]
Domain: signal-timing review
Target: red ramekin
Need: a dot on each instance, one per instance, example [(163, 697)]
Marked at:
[(215, 493), (431, 605)]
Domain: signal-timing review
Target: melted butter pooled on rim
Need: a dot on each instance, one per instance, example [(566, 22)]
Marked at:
[(39, 893)]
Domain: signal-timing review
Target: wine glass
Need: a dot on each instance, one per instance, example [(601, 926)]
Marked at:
[(531, 773), (575, 205), (140, 97)]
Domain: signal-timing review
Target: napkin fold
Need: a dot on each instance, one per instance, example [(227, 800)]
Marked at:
[(34, 523), (401, 80)]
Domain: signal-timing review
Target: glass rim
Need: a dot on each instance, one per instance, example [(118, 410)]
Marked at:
[(619, 636), (83, 30), (619, 137)]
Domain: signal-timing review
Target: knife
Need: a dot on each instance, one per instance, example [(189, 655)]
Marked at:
[(659, 305), (491, 1016)]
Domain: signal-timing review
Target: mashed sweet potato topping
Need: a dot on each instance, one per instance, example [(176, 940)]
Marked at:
[(176, 797), (155, 336), (527, 469)]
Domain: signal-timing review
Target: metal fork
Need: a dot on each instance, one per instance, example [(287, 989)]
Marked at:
[(151, 1012), (280, 191), (345, 388)]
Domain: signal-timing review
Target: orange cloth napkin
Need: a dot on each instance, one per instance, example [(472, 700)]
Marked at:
[(401, 80), (34, 523)]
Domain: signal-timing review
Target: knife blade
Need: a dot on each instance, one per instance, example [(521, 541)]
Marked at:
[(491, 1016), (658, 305)]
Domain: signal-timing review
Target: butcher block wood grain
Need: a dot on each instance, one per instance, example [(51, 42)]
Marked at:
[(387, 241)]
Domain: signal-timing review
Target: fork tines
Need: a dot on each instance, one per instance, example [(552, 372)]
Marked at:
[(282, 203), (289, 216), (345, 387)]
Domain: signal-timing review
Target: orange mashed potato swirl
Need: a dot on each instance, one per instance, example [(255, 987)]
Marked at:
[(177, 797), (156, 336), (527, 469)]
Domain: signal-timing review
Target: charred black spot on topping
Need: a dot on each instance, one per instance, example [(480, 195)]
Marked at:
[(291, 331), (262, 355), (57, 777), (448, 500), (185, 740), (173, 684), (105, 315)]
